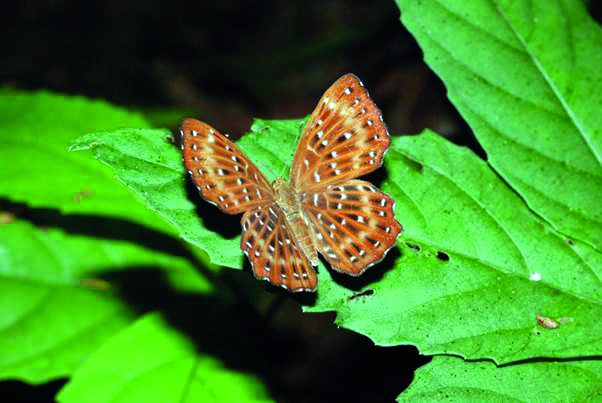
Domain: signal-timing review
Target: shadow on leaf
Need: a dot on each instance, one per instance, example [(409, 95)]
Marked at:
[(296, 354), (226, 225)]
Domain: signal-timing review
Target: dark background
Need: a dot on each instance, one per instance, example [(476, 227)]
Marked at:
[(226, 62)]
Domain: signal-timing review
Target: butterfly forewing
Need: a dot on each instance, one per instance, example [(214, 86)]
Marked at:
[(354, 224), (223, 174), (273, 250), (344, 138)]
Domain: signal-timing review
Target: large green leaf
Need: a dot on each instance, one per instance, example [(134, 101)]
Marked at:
[(504, 265), (37, 168), (526, 76), (476, 266), (452, 379), (151, 360), (55, 309)]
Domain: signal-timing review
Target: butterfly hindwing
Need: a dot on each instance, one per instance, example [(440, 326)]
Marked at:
[(353, 223), (274, 253)]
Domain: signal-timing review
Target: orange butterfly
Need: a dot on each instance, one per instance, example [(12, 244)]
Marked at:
[(322, 208)]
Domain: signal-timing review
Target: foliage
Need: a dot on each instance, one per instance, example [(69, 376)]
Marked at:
[(94, 278)]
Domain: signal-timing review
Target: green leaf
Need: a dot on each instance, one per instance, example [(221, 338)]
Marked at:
[(36, 167), (142, 161), (476, 266), (49, 321), (505, 264), (151, 359), (452, 379), (526, 76), (55, 306)]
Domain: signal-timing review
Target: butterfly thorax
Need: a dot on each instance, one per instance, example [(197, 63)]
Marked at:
[(289, 201)]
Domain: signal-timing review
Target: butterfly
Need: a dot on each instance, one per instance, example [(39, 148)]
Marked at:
[(322, 208)]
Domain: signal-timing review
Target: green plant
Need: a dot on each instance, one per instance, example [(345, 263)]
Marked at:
[(487, 247)]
